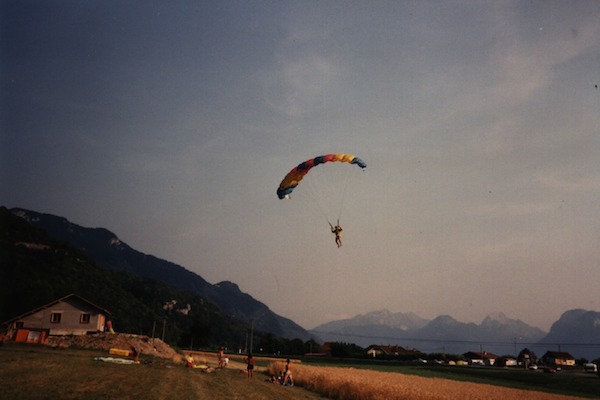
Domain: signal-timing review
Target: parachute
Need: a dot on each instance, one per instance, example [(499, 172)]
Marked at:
[(293, 178)]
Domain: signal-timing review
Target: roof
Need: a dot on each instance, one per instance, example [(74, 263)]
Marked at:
[(72, 295), (559, 354), (483, 356), (391, 349)]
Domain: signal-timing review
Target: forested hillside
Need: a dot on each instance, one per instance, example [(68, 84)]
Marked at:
[(105, 248), (35, 270)]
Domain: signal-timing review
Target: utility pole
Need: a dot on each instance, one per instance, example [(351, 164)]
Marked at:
[(481, 353), (251, 336)]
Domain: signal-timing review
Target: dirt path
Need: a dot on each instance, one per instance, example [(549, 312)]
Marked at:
[(233, 384)]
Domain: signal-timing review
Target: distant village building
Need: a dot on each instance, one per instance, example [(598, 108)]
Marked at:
[(558, 358), (376, 350), (505, 361), (69, 315), (485, 358), (325, 350), (526, 358)]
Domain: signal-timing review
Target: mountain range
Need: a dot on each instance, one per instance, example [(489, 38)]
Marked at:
[(577, 331)]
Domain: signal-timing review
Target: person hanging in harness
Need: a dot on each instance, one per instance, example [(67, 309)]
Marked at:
[(337, 231)]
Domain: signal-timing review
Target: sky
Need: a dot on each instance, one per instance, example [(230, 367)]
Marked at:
[(172, 123)]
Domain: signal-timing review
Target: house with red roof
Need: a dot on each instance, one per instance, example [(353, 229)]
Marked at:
[(481, 358)]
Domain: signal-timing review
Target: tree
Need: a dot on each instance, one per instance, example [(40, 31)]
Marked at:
[(527, 357), (346, 350), (311, 346)]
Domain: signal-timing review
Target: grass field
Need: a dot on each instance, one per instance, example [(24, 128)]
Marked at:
[(33, 372), (36, 372)]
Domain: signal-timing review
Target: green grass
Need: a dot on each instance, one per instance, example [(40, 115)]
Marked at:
[(33, 372)]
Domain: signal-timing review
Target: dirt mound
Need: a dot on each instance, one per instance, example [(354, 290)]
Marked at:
[(106, 341)]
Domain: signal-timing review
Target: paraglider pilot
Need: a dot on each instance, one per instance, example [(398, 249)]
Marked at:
[(337, 230)]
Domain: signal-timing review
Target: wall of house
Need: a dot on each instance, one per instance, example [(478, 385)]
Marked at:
[(31, 336), (70, 323), (560, 361)]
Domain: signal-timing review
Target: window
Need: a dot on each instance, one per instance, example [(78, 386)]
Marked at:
[(55, 317), (84, 319)]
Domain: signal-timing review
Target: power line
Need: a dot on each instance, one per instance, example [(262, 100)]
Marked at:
[(461, 341)]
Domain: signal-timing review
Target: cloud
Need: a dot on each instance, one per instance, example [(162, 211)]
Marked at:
[(526, 58), (300, 83), (564, 182), (512, 209)]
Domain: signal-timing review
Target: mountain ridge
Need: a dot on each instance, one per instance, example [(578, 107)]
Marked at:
[(497, 333), (36, 269), (106, 249)]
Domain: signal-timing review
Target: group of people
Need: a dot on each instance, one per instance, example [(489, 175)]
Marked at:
[(222, 361), (191, 363), (285, 376)]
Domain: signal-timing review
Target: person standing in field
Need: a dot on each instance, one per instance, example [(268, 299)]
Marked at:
[(287, 378), (220, 357), (136, 355), (189, 361), (250, 365)]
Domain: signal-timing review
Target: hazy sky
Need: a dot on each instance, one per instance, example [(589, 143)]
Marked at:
[(171, 123)]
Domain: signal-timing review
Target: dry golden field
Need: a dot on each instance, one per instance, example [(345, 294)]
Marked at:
[(359, 384)]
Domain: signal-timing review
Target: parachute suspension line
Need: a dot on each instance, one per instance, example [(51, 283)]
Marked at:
[(311, 197), (316, 191), (335, 196), (346, 178)]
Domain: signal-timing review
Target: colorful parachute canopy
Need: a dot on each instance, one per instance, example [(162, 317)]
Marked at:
[(293, 178)]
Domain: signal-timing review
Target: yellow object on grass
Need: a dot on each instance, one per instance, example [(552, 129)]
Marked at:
[(119, 352)]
